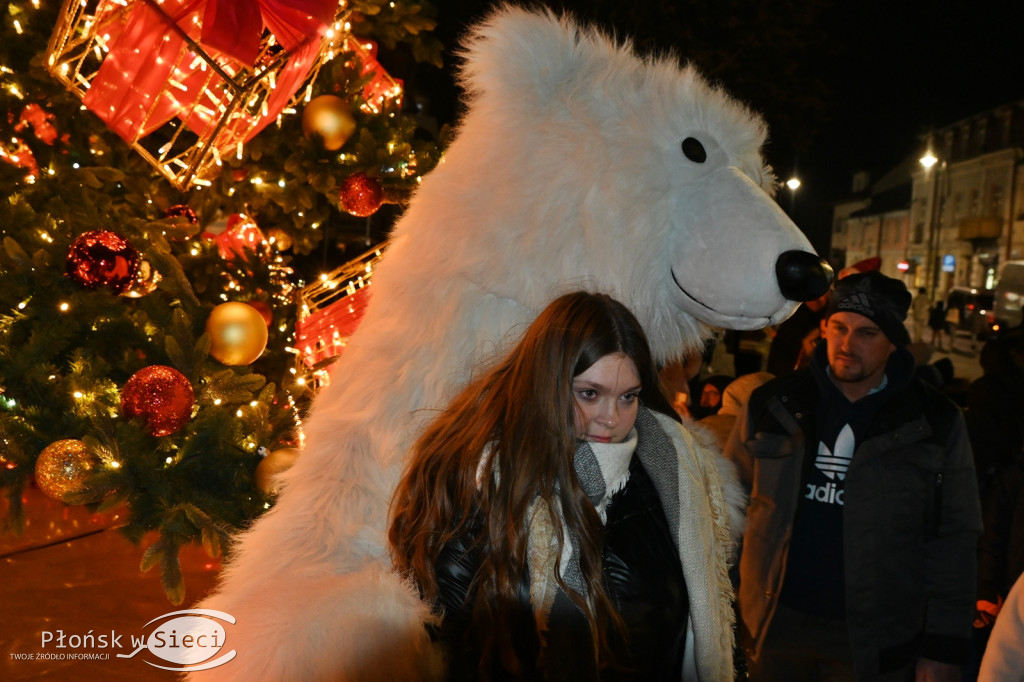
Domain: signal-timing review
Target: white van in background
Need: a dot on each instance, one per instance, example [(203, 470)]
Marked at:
[(1009, 295)]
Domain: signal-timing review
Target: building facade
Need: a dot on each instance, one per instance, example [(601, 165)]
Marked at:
[(965, 214)]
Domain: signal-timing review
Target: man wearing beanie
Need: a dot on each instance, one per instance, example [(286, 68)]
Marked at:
[(859, 556)]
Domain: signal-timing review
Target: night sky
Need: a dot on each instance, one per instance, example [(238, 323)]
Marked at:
[(844, 85)]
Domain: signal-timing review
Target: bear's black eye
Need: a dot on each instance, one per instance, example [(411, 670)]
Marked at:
[(694, 150)]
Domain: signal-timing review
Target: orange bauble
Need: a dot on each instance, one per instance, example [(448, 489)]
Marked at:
[(273, 464), (331, 118), (238, 333)]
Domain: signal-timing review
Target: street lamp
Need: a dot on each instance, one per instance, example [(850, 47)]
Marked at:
[(927, 162), (793, 184)]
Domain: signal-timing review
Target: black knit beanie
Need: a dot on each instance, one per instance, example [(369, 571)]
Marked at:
[(881, 299)]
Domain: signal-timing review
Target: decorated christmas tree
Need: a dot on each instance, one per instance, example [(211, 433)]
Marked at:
[(170, 173)]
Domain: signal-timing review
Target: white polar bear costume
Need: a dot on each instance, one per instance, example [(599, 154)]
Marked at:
[(577, 165)]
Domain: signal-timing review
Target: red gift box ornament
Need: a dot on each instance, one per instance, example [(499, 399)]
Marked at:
[(240, 235), (188, 82)]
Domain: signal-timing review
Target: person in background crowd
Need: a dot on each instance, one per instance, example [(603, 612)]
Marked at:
[(710, 395), (995, 408), (920, 308), (859, 556), (789, 345), (995, 423), (734, 398), (937, 323), (1004, 661), (1004, 656)]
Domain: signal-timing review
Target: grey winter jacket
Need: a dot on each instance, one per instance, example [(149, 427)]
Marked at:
[(911, 519)]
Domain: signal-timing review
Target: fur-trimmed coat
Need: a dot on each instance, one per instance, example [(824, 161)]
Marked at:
[(712, 508)]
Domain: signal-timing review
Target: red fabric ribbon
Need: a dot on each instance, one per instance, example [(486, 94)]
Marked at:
[(130, 90), (234, 27)]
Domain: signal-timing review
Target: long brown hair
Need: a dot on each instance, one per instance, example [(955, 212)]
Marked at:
[(523, 413)]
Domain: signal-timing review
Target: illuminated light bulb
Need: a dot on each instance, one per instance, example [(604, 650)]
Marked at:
[(217, 401), (78, 395), (169, 460), (115, 465), (64, 307), (239, 412)]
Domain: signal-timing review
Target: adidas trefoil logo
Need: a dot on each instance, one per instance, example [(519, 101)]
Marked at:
[(835, 464)]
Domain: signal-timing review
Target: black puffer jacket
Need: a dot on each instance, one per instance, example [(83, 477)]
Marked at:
[(643, 576)]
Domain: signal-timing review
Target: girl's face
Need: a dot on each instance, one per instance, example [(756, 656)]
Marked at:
[(607, 397)]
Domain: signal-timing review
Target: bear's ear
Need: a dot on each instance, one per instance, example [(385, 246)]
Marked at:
[(534, 57)]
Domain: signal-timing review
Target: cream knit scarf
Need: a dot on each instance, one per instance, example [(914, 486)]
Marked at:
[(603, 470)]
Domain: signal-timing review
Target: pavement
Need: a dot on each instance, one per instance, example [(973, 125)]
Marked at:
[(71, 573), (963, 352)]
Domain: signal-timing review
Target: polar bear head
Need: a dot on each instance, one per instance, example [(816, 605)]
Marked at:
[(579, 163)]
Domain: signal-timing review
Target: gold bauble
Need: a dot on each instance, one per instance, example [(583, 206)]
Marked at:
[(331, 118), (63, 466), (238, 333), (279, 239), (273, 464)]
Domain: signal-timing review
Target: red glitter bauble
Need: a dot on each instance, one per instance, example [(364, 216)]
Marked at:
[(102, 259), (360, 195), (182, 211), (160, 396)]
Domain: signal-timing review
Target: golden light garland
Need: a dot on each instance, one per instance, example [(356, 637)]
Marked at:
[(212, 106)]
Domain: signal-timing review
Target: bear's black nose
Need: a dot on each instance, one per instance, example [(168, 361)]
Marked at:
[(802, 275)]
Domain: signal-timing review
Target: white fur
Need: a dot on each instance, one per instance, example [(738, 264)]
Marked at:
[(566, 173)]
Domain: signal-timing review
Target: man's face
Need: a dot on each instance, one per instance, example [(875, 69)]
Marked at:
[(858, 351)]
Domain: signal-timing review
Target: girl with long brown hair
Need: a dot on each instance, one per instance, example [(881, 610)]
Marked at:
[(560, 521)]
